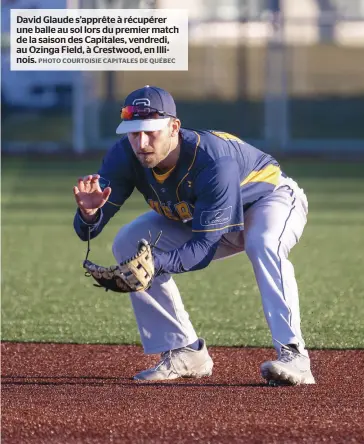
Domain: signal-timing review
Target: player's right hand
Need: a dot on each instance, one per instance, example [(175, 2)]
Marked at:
[(89, 196)]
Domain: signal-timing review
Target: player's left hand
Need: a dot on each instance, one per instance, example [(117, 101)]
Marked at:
[(134, 274)]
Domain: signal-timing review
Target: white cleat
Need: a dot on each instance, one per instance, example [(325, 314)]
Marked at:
[(180, 363), (291, 368)]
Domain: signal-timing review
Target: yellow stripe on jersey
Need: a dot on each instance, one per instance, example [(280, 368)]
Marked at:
[(227, 136), (218, 229), (160, 178), (112, 203), (189, 168), (270, 174)]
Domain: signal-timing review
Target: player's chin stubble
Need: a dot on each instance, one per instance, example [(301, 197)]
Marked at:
[(153, 159), (148, 161)]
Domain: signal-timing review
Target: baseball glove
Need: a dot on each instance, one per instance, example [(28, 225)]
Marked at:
[(134, 274)]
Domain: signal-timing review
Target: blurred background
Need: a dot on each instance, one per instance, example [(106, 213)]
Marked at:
[(288, 76)]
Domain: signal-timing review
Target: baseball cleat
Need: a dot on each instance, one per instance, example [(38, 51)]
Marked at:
[(291, 368), (180, 363)]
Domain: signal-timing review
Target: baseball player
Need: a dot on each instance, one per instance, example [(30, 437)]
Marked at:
[(212, 196)]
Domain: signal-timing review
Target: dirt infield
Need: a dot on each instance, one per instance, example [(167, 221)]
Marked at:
[(59, 393)]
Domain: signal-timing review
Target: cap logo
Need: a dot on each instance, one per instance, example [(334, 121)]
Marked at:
[(143, 102)]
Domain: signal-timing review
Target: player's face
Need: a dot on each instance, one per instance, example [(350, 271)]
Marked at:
[(151, 147)]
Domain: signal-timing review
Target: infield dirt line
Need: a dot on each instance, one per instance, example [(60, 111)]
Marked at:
[(68, 393)]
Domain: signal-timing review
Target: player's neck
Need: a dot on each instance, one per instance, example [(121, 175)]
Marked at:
[(172, 158)]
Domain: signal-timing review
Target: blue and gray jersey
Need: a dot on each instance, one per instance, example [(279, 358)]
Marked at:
[(216, 179)]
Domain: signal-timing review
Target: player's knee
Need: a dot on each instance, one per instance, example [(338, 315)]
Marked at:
[(116, 248), (122, 248), (258, 245)]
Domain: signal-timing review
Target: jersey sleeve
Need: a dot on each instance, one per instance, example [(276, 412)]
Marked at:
[(218, 208), (115, 172)]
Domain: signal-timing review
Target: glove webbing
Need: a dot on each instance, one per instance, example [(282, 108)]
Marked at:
[(153, 245)]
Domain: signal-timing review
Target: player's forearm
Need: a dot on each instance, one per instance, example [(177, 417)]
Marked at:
[(82, 226), (95, 226), (195, 254)]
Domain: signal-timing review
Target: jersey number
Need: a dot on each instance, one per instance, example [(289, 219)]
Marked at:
[(182, 209)]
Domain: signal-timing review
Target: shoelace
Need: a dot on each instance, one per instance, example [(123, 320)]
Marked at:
[(287, 355), (164, 358)]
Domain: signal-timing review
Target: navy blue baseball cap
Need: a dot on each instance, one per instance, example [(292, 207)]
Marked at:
[(146, 109)]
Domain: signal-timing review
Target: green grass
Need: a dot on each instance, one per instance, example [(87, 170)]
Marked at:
[(37, 127), (45, 296)]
